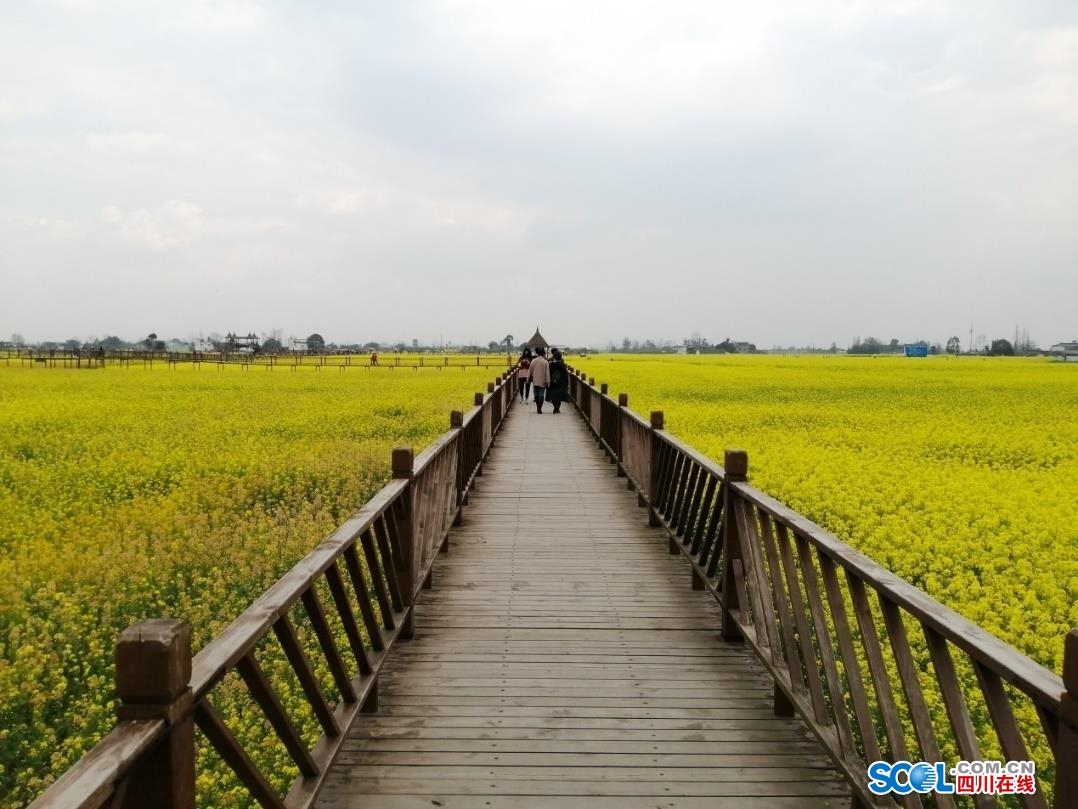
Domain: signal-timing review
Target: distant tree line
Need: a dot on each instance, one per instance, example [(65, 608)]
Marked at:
[(315, 343)]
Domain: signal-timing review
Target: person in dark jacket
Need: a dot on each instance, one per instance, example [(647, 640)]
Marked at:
[(558, 391)]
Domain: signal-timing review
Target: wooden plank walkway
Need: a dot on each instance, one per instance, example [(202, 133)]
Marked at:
[(563, 660)]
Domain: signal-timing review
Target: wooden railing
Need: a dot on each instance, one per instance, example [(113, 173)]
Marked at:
[(837, 632), (100, 358), (372, 568)]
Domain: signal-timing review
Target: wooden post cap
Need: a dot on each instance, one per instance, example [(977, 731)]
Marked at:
[(490, 387), (736, 464), (478, 399), (603, 388), (153, 661), (657, 420), (403, 459), (623, 400), (456, 419), (591, 381), (1070, 663)]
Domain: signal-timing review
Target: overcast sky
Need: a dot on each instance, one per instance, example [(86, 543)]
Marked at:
[(784, 173)]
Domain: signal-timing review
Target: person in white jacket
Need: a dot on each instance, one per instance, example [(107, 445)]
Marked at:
[(539, 374)]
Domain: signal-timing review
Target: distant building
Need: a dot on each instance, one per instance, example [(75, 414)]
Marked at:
[(1067, 352), (245, 344), (297, 344), (537, 341)]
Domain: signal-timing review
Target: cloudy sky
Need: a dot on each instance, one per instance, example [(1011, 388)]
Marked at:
[(780, 172)]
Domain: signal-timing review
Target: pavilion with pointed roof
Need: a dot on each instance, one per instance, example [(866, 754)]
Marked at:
[(538, 341)]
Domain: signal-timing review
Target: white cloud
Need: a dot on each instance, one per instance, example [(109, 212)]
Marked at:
[(174, 225), (46, 227), (133, 141)]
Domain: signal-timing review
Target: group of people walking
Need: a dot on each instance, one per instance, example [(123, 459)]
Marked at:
[(541, 379)]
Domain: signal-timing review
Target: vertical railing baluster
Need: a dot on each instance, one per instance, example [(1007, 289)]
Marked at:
[(297, 658), (807, 670), (363, 597), (825, 646), (405, 564), (1010, 738), (655, 470), (736, 466), (456, 422), (850, 662), (885, 699), (317, 616), (348, 618)]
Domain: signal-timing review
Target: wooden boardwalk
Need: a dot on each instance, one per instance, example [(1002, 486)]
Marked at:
[(562, 659)]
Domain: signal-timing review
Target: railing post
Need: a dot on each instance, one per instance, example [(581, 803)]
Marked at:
[(623, 402), (403, 469), (153, 681), (1066, 785), (456, 422), (657, 422), (736, 467), (483, 424)]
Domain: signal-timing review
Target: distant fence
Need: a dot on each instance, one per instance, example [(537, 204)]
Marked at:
[(99, 358), (832, 627), (373, 567)]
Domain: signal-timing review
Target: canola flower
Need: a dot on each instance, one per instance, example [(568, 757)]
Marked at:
[(959, 475), (134, 492)]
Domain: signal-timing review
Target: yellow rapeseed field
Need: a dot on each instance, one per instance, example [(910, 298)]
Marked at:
[(957, 474), (136, 492)]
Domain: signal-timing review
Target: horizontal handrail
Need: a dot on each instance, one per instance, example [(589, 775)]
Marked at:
[(372, 566)]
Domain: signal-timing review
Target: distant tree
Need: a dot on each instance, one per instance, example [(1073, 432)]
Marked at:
[(893, 346), (271, 345), (316, 343), (833, 349), (72, 344), (507, 341), (400, 347), (415, 344), (870, 345), (1001, 348), (626, 344), (494, 345), (17, 339), (110, 343), (151, 338), (954, 345)]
